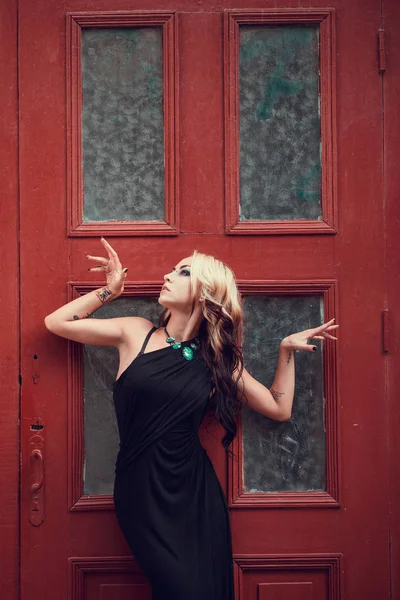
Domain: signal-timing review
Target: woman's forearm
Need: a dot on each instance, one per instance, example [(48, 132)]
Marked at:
[(282, 388), (81, 307)]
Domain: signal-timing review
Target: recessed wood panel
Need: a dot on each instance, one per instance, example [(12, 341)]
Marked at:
[(106, 578), (124, 591), (288, 577), (292, 590)]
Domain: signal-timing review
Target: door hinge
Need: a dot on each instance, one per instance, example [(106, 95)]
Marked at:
[(385, 330), (382, 49)]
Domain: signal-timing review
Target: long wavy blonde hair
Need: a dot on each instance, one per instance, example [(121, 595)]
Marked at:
[(219, 334)]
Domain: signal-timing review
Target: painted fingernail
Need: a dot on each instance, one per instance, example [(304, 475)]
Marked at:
[(314, 349)]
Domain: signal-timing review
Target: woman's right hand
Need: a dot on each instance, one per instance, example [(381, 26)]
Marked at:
[(112, 268)]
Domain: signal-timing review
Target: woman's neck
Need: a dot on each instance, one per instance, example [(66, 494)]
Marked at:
[(183, 328)]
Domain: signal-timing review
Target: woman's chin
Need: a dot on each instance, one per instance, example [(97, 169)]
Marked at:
[(162, 302)]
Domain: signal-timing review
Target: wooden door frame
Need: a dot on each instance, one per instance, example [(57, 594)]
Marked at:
[(390, 196), (9, 315)]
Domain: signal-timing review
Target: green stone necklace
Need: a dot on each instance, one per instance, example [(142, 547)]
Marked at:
[(187, 351)]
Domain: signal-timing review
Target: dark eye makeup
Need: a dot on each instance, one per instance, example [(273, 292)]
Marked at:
[(185, 271)]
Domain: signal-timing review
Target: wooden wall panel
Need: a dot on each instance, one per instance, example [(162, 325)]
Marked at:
[(391, 83), (9, 316)]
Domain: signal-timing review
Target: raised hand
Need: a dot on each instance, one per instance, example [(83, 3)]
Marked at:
[(112, 268), (298, 341)]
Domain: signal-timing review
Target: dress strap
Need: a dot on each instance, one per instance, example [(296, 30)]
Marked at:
[(146, 339)]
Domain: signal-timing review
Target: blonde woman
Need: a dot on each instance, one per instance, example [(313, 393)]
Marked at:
[(168, 500)]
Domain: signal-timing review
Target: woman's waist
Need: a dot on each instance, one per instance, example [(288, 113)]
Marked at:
[(178, 444)]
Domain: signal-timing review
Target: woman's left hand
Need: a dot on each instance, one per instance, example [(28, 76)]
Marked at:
[(298, 341)]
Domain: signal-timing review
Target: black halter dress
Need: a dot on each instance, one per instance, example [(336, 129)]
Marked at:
[(168, 500)]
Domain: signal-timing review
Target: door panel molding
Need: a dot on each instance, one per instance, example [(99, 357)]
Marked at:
[(330, 563), (81, 568), (75, 21), (331, 497), (327, 93)]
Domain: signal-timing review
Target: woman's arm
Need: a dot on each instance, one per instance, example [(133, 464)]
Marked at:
[(70, 321), (277, 402)]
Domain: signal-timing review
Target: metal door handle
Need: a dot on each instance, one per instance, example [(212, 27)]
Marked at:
[(38, 456), (36, 479)]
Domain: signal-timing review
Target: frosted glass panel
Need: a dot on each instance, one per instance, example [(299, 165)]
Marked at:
[(280, 163), (100, 365), (290, 455), (122, 124)]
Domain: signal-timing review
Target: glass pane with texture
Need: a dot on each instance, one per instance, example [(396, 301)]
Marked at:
[(280, 162), (100, 364), (284, 456), (122, 124)]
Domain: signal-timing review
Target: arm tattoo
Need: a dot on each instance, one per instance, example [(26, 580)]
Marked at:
[(288, 358), (77, 318), (104, 294), (275, 394)]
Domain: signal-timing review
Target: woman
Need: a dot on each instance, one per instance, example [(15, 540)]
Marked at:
[(168, 500)]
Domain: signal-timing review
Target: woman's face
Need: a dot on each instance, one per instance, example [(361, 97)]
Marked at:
[(176, 289)]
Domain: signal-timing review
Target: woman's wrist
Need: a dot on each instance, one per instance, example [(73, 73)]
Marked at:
[(88, 303), (286, 344), (286, 350), (107, 293)]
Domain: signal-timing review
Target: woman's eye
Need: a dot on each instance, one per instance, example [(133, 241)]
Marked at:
[(185, 272)]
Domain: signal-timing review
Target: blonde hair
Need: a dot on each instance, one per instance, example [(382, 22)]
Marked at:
[(214, 281), (219, 334), (220, 330)]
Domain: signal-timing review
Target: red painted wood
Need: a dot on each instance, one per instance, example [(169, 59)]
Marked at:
[(106, 577), (360, 256), (391, 197), (9, 315), (351, 539), (44, 272), (201, 126), (320, 572), (382, 49)]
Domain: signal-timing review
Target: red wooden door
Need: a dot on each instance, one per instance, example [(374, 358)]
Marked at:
[(263, 129)]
